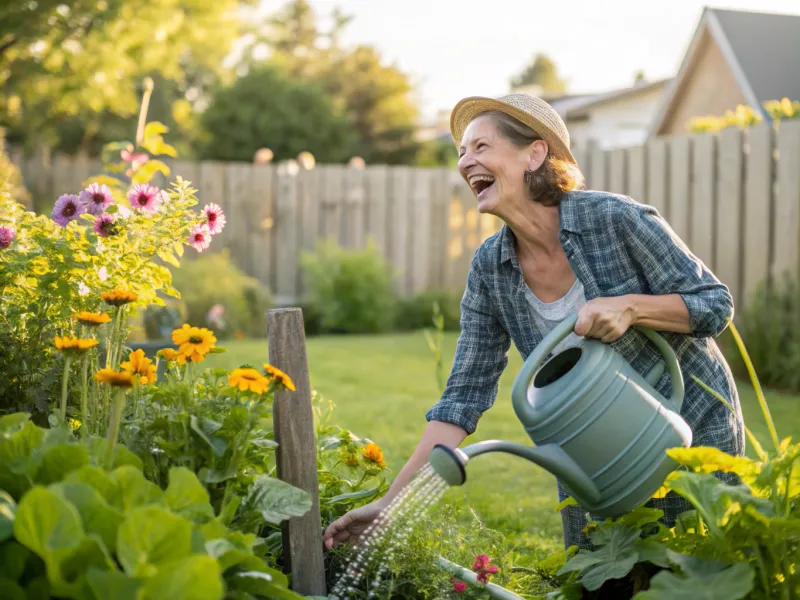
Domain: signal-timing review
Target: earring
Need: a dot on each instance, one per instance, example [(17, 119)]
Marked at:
[(529, 175)]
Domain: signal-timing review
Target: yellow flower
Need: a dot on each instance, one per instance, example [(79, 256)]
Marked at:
[(372, 453), (74, 424), (168, 354), (73, 344), (194, 343), (118, 297), (248, 379), (141, 367), (114, 378), (283, 378), (91, 319)]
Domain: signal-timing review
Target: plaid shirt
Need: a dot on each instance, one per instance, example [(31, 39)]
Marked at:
[(615, 246)]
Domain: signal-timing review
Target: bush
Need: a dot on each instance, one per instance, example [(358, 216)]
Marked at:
[(416, 312), (351, 291), (213, 279)]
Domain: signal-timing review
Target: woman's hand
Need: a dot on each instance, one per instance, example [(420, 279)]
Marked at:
[(351, 525), (605, 318)]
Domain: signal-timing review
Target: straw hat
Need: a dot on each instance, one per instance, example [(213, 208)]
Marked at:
[(533, 112)]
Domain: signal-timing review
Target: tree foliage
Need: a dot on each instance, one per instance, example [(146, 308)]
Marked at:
[(541, 71)]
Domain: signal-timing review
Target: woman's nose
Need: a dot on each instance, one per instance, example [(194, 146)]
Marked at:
[(465, 162)]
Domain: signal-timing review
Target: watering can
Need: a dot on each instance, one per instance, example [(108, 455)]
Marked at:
[(599, 426)]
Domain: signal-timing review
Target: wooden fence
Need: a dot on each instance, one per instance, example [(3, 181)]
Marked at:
[(733, 197)]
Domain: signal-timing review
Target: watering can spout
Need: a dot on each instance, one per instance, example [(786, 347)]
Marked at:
[(450, 463)]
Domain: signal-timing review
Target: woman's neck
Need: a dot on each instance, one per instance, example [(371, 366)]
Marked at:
[(536, 229)]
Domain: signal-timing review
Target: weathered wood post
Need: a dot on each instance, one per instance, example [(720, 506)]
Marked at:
[(297, 450)]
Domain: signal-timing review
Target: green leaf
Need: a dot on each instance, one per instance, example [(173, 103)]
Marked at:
[(639, 517), (91, 552), (47, 524), (7, 509), (350, 496), (61, 460), (186, 495), (145, 172), (157, 147), (568, 501), (18, 461), (151, 536), (135, 490), (154, 129), (191, 578), (217, 350), (263, 584), (11, 590), (168, 258), (653, 551), (732, 583), (112, 584), (98, 516), (218, 445), (178, 248), (613, 560), (277, 500), (99, 480), (13, 422), (13, 557)]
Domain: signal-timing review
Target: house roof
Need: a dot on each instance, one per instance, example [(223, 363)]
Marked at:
[(581, 108), (760, 48)]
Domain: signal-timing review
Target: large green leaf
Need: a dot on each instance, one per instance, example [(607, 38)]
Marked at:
[(112, 584), (732, 583), (186, 496), (98, 516), (191, 578), (614, 559), (205, 428), (135, 490), (99, 480), (277, 500), (13, 557), (18, 461), (151, 536), (7, 509), (58, 461), (263, 584), (11, 589)]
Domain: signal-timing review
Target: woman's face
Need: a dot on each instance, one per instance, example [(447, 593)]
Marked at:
[(495, 168)]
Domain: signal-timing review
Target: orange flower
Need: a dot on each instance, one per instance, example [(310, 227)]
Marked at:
[(372, 453), (194, 343), (248, 379), (91, 319), (168, 354), (141, 367), (118, 297), (73, 344), (283, 378), (114, 378)]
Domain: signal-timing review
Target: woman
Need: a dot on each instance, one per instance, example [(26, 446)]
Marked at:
[(562, 250)]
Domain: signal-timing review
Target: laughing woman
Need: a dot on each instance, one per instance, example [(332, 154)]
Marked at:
[(562, 250)]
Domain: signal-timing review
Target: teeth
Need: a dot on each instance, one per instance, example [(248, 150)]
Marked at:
[(476, 178)]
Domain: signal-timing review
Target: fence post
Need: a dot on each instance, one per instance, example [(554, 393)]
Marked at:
[(296, 453)]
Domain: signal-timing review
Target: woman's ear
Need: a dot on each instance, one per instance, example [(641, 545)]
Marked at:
[(537, 152)]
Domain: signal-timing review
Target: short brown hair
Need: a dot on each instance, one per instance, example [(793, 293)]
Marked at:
[(554, 177)]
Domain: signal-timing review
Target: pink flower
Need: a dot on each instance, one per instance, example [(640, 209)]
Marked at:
[(200, 238), (135, 159), (481, 562), (484, 574), (96, 198), (458, 586), (7, 235), (144, 197), (215, 218), (68, 208), (104, 225), (482, 568)]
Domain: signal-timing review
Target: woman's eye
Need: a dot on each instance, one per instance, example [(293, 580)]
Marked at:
[(481, 145)]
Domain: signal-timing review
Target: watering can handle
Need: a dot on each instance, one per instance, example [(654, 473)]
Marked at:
[(519, 392)]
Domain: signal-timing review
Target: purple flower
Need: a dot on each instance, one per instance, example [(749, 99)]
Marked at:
[(104, 225), (200, 238), (7, 235), (215, 218), (96, 198), (144, 197), (68, 208)]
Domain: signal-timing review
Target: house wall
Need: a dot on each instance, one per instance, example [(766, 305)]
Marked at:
[(618, 123), (710, 89)]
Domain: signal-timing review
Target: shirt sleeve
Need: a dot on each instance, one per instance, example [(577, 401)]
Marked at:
[(481, 357), (670, 268)]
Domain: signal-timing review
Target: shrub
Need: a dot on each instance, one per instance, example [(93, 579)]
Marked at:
[(415, 312), (213, 279), (350, 290)]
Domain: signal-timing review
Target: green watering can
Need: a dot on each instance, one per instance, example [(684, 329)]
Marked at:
[(599, 426)]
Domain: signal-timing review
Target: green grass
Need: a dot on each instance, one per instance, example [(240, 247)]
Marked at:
[(382, 386)]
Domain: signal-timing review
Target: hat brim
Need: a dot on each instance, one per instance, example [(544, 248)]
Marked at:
[(468, 108)]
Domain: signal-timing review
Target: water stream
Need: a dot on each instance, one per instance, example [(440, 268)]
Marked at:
[(376, 546)]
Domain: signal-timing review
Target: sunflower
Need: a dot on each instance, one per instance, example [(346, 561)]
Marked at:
[(91, 319), (73, 344), (113, 378), (169, 354), (118, 297), (248, 379), (283, 378), (141, 367), (194, 343), (372, 453)]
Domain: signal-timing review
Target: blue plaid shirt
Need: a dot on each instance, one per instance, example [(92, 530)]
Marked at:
[(616, 246)]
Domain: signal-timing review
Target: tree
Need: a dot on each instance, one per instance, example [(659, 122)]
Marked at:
[(266, 108), (79, 63), (541, 71)]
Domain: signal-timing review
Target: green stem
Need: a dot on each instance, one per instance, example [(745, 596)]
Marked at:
[(762, 570), (85, 396), (65, 387), (786, 507), (113, 425)]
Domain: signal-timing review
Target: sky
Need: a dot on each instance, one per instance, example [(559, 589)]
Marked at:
[(456, 48)]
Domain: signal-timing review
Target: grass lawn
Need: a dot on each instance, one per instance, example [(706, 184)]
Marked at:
[(383, 385)]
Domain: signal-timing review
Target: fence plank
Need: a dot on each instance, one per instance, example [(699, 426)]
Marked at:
[(617, 171), (758, 200), (238, 182), (438, 231), (636, 186), (353, 222), (377, 180), (658, 176), (296, 457), (262, 202), (702, 207), (420, 234), (331, 202), (680, 171), (581, 155), (286, 247), (786, 217), (729, 234), (597, 168), (398, 231)]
